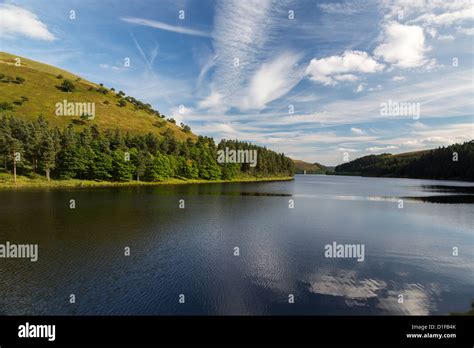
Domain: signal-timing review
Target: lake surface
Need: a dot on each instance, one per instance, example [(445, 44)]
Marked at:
[(173, 251)]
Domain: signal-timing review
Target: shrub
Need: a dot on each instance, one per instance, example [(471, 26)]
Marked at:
[(4, 106), (68, 86)]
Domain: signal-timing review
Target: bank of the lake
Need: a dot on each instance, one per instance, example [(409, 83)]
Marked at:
[(7, 182), (393, 176)]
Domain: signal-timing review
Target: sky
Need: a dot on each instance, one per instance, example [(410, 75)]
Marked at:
[(307, 78)]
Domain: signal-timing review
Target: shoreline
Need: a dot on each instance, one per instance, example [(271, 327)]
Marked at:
[(6, 182), (389, 177)]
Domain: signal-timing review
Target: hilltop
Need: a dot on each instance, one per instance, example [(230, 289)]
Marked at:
[(310, 168), (29, 88)]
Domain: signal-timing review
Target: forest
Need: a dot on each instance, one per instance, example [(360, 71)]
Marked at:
[(88, 153), (452, 162)]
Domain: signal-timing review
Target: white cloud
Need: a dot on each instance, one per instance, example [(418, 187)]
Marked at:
[(16, 20), (399, 78), (465, 31), (248, 72), (418, 125), (447, 18), (357, 131), (344, 149), (113, 67), (179, 113), (344, 8), (403, 45), (213, 101), (346, 77), (381, 149), (450, 96), (361, 87), (376, 88), (331, 69), (164, 26), (432, 32), (241, 31), (446, 37), (272, 80)]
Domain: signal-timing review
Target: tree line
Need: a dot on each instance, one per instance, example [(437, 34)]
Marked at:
[(88, 153), (452, 162)]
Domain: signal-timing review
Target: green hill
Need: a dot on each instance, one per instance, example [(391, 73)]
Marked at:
[(107, 137), (33, 88), (310, 168), (453, 162)]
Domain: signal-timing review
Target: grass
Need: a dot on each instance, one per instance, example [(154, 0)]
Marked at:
[(40, 89), (6, 182)]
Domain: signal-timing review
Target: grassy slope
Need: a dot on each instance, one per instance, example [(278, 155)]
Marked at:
[(40, 89)]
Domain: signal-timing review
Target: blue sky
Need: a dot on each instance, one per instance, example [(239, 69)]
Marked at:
[(310, 85)]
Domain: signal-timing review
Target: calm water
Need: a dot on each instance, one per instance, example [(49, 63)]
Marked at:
[(191, 251)]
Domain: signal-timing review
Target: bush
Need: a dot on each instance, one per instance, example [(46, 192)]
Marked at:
[(122, 103), (102, 90), (4, 106), (59, 76), (68, 86)]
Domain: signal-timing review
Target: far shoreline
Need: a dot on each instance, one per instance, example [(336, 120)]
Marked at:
[(385, 177), (7, 183)]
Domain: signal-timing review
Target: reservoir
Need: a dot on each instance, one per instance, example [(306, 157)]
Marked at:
[(417, 237)]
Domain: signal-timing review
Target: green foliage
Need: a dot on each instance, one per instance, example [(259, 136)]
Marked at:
[(67, 86), (185, 128), (5, 106), (440, 163), (9, 79), (89, 154), (122, 166), (102, 89)]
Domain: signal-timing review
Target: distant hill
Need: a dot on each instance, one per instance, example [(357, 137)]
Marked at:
[(452, 162), (310, 168), (33, 88)]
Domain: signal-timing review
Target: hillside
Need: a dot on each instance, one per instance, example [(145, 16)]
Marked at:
[(452, 162), (310, 168), (33, 88)]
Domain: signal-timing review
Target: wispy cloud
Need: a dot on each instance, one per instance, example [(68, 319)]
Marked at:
[(164, 26), (154, 53), (249, 71)]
